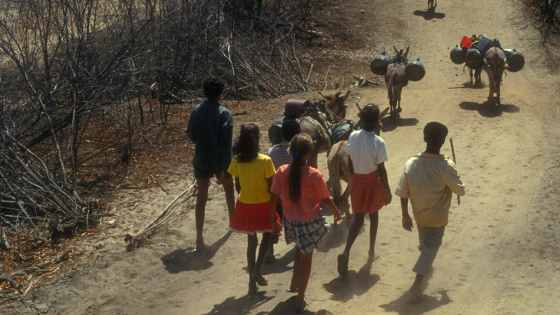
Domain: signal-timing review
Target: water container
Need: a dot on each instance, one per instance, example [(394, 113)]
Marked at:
[(515, 60), (457, 55), (473, 58), (341, 131), (415, 71), (379, 64)]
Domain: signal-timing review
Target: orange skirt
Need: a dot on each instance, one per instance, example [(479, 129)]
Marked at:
[(368, 193), (255, 218)]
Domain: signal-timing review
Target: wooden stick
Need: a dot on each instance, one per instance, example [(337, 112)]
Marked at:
[(454, 161)]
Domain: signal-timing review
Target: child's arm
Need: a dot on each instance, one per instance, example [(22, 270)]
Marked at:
[(383, 173), (330, 205), (406, 219), (453, 181), (237, 185)]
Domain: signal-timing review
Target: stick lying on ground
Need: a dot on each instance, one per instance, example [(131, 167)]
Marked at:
[(454, 161), (168, 214)]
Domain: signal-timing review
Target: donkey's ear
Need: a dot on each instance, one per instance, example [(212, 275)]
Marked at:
[(406, 53), (396, 50)]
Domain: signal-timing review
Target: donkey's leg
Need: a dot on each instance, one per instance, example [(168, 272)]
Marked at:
[(477, 77), (399, 92)]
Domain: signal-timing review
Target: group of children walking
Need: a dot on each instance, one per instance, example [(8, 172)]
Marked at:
[(283, 189)]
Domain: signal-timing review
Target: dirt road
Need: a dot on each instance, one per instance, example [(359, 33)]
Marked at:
[(500, 252)]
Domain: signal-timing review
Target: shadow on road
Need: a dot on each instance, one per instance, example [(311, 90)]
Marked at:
[(242, 305), (488, 109), (389, 125), (426, 303), (429, 14), (181, 260), (336, 236), (354, 284), (288, 308), (281, 264)]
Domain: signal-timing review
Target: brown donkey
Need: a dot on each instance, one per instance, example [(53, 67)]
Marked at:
[(395, 80), (495, 64)]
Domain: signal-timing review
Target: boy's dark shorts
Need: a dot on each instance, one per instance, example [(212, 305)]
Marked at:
[(200, 173)]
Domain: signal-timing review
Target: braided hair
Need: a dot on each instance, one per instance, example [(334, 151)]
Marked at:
[(300, 148)]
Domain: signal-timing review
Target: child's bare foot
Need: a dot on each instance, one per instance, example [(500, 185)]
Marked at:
[(342, 265), (260, 280)]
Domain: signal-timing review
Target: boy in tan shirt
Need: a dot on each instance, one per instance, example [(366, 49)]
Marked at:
[(429, 180)]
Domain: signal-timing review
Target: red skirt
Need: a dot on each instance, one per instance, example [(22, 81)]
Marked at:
[(255, 218), (368, 193)]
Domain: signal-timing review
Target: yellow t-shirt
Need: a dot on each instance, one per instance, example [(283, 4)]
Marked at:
[(253, 178)]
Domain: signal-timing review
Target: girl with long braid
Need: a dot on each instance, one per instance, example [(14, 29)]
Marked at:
[(302, 191)]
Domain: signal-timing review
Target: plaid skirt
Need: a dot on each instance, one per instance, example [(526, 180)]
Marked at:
[(306, 235)]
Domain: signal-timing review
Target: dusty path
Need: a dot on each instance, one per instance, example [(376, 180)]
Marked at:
[(500, 252)]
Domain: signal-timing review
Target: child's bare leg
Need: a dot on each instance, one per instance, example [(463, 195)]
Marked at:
[(201, 199), (251, 251), (296, 272), (355, 227), (227, 182), (374, 218), (263, 249), (306, 260)]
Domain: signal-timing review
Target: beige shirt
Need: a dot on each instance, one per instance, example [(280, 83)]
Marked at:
[(429, 181)]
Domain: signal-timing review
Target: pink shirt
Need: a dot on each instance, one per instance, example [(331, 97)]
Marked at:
[(313, 190)]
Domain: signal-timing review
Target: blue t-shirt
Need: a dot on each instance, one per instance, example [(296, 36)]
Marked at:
[(210, 128)]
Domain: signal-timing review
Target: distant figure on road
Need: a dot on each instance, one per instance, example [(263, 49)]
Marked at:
[(432, 4), (210, 128), (428, 181)]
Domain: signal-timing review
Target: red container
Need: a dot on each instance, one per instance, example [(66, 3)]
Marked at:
[(466, 42)]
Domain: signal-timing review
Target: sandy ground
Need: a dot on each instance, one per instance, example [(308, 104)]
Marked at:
[(500, 252)]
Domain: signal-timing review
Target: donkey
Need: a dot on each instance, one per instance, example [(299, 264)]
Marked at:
[(474, 74), (495, 63), (320, 117), (395, 80)]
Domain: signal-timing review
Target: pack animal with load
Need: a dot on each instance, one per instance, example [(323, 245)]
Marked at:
[(397, 71), (482, 53), (323, 120)]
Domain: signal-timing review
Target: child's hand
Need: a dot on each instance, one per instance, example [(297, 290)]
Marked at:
[(407, 222), (337, 217), (388, 196)]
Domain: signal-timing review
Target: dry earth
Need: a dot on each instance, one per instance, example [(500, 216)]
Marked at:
[(500, 252)]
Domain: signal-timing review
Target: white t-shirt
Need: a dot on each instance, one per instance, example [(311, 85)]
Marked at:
[(366, 150)]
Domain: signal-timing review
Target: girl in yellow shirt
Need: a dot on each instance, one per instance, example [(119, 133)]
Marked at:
[(253, 213)]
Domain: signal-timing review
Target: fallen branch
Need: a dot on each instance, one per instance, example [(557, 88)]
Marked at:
[(167, 215)]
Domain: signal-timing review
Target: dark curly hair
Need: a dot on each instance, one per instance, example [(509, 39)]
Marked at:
[(213, 88), (247, 147)]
